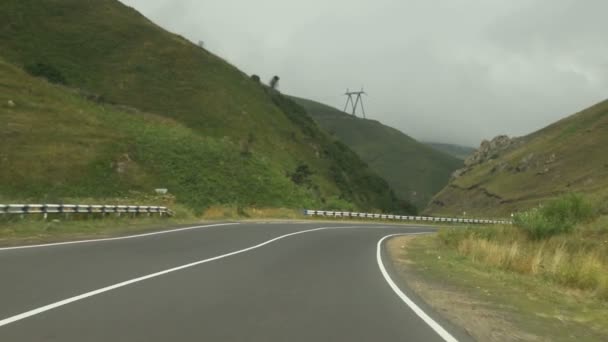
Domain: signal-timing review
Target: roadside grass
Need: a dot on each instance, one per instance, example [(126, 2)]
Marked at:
[(553, 261), (219, 212), (30, 230), (495, 304), (561, 241), (578, 260)]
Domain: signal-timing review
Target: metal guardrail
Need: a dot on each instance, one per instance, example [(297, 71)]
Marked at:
[(343, 214), (45, 209)]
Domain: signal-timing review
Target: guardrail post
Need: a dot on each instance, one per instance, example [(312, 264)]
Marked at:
[(67, 214)]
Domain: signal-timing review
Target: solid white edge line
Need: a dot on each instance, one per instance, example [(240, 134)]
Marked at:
[(116, 238), (417, 310)]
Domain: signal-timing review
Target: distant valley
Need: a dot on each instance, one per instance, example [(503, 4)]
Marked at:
[(458, 151), (414, 170)]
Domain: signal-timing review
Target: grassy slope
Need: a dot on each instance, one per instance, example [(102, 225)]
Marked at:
[(458, 151), (409, 166), (207, 112), (580, 165), (58, 145)]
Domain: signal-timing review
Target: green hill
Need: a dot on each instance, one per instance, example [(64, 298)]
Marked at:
[(458, 151), (507, 175), (141, 108), (416, 171)]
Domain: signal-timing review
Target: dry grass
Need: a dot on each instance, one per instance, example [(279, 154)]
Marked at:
[(496, 304), (578, 260), (220, 212), (474, 314)]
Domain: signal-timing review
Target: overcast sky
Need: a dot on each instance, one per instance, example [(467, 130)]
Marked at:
[(455, 71)]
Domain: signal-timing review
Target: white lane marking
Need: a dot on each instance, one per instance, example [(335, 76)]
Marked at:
[(116, 238), (417, 310), (149, 276), (55, 305)]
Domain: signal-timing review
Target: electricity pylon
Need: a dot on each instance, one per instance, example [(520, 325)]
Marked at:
[(355, 102)]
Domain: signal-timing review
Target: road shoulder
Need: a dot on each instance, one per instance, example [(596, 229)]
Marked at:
[(34, 232), (490, 305)]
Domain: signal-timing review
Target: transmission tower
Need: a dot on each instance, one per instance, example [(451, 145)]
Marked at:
[(354, 98)]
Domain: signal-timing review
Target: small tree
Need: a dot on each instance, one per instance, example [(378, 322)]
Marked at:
[(255, 78), (301, 175), (274, 82)]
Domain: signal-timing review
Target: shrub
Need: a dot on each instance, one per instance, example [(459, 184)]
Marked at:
[(538, 226), (301, 175), (47, 71), (571, 208), (335, 203), (557, 217), (406, 208)]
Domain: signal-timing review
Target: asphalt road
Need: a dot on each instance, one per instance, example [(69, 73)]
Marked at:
[(243, 282)]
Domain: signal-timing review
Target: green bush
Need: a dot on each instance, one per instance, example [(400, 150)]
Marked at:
[(538, 226), (570, 208), (335, 203), (47, 71), (557, 217), (301, 175), (406, 208)]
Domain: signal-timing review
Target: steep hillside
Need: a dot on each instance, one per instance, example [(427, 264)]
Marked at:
[(458, 151), (506, 175), (56, 144), (416, 171), (218, 137)]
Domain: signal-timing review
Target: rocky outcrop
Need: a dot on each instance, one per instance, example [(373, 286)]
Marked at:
[(488, 150), (122, 164)]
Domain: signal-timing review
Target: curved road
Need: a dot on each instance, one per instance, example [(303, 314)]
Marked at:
[(234, 282)]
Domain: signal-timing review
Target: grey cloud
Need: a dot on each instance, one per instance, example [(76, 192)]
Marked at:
[(444, 70)]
